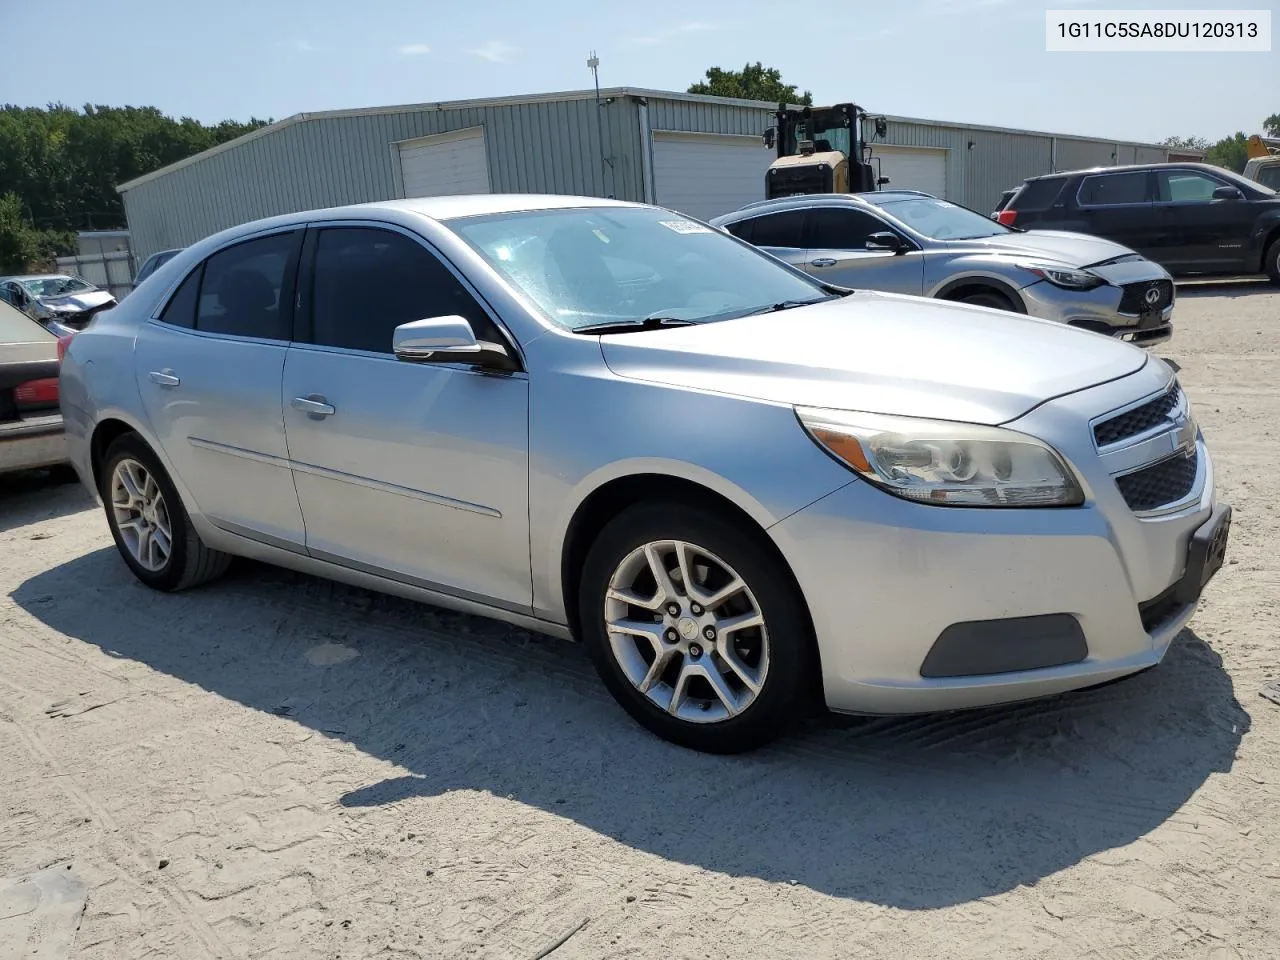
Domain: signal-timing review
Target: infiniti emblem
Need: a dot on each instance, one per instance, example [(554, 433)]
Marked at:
[(1152, 295)]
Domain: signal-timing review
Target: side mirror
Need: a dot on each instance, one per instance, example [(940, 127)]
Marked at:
[(770, 137), (1228, 193), (446, 340), (886, 240)]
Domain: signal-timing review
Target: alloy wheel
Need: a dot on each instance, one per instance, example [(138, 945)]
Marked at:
[(687, 631), (140, 514)]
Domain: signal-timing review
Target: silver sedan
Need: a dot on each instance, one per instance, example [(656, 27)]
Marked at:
[(909, 242), (747, 493)]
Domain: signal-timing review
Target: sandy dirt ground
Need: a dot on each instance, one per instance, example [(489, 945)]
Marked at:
[(279, 767)]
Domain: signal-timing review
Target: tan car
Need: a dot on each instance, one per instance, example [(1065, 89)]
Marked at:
[(31, 433)]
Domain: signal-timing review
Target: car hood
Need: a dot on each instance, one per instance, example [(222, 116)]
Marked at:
[(880, 353), (83, 300), (1070, 249)]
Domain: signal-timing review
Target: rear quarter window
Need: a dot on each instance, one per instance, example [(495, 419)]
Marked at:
[(1037, 194)]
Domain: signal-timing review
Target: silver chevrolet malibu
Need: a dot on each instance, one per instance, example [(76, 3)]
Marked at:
[(748, 493)]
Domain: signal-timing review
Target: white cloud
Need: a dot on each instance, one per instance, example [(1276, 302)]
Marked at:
[(495, 51), (694, 26), (297, 46), (413, 50)]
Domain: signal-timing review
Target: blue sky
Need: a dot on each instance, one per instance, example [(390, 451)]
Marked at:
[(976, 61)]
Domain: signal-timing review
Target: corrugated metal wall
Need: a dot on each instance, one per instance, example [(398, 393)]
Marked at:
[(1000, 162), (541, 146), (546, 147)]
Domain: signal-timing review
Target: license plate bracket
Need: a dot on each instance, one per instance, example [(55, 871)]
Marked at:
[(1206, 553)]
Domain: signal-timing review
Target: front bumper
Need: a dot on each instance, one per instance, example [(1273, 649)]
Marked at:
[(885, 579), (31, 443), (1098, 310)]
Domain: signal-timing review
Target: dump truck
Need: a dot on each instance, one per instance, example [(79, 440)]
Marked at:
[(822, 150)]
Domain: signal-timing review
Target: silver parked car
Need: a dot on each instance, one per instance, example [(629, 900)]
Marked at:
[(70, 302), (748, 493), (909, 242)]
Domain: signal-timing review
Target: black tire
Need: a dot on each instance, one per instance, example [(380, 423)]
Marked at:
[(792, 672), (1271, 261), (988, 298), (190, 562)]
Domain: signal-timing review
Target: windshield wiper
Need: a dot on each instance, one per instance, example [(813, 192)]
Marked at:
[(789, 304), (631, 326)]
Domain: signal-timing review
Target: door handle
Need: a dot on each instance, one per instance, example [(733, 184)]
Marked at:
[(164, 377), (823, 262), (314, 406)]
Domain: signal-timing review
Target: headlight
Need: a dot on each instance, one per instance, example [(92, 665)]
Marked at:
[(1067, 279), (943, 463)]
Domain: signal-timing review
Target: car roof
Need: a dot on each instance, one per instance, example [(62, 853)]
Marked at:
[(868, 198), (1130, 168), (436, 208)]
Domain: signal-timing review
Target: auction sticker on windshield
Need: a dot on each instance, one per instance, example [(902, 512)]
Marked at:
[(684, 226)]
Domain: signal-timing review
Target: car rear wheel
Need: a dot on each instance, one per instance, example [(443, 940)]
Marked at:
[(695, 627), (148, 522), (987, 298)]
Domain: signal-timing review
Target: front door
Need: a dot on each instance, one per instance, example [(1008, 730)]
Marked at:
[(836, 242), (209, 371), (1205, 235), (416, 471)]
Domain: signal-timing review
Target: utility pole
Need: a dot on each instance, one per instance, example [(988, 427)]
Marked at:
[(593, 63)]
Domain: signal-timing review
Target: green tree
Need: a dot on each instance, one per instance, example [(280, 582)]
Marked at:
[(1196, 144), (63, 164), (19, 246), (1229, 153), (754, 81), (1271, 125)]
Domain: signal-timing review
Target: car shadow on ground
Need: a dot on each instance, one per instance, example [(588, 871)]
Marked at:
[(34, 495), (1230, 287), (914, 813)]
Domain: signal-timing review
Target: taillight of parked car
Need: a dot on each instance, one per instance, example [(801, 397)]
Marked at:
[(36, 394), (64, 342), (1006, 217)]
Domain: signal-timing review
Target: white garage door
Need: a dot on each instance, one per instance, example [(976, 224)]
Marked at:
[(446, 164), (705, 174), (911, 168)]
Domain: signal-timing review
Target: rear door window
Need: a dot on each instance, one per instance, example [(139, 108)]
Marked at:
[(784, 230), (1111, 189), (241, 293)]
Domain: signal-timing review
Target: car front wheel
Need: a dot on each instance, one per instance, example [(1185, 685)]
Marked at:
[(148, 523), (695, 627)]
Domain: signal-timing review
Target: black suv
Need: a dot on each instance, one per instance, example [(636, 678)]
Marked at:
[(1191, 218)]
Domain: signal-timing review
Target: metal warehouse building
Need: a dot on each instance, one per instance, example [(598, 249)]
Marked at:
[(697, 154)]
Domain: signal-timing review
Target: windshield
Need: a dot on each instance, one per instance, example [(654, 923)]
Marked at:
[(938, 219), (596, 265), (56, 286)]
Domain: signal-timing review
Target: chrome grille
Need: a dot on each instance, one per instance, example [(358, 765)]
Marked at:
[(1139, 420), (1164, 482)]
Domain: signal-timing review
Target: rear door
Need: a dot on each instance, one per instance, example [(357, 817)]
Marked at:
[(1119, 207), (781, 234), (1204, 235), (836, 241), (209, 370)]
